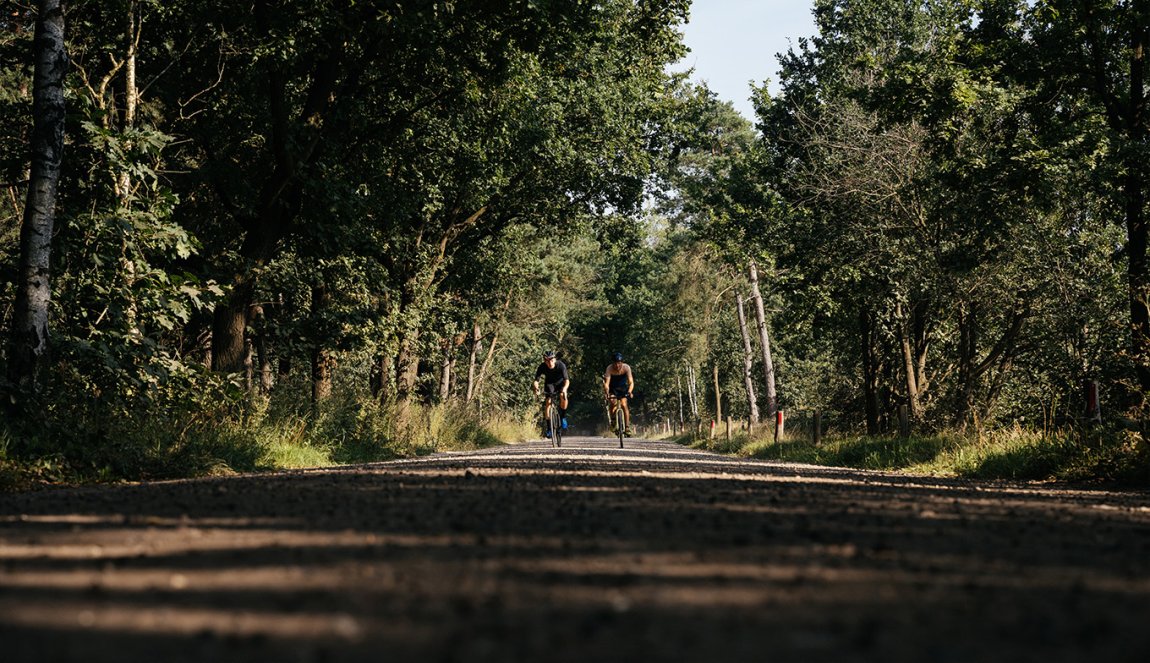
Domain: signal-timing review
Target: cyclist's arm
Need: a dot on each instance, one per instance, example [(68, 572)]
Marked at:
[(535, 384), (630, 382), (566, 380)]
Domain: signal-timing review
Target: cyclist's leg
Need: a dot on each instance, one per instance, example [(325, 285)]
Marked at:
[(617, 401), (562, 409), (626, 414), (544, 416)]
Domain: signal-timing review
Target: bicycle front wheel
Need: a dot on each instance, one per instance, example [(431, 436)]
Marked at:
[(556, 428), (619, 424)]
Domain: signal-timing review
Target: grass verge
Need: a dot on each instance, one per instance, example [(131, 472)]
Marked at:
[(1115, 456), (152, 446)]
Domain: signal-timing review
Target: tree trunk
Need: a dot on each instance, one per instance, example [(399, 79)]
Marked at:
[(472, 358), (294, 142), (871, 372), (383, 378), (718, 394), (1127, 115), (1134, 192), (131, 94), (913, 340), (447, 369), (229, 322), (266, 379), (124, 178), (406, 375), (748, 361), (486, 364), (691, 400), (967, 348), (679, 386), (764, 340), (29, 341), (321, 375), (972, 370)]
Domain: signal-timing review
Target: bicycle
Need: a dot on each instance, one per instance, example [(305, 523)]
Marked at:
[(620, 420), (553, 420)]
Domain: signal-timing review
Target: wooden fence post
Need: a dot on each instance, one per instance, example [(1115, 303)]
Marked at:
[(1093, 407), (903, 422), (728, 428)]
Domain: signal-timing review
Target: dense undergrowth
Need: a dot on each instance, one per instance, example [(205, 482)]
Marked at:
[(1073, 455), (77, 446), (72, 443)]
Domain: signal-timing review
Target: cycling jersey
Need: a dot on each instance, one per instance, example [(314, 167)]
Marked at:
[(554, 377), (618, 383)]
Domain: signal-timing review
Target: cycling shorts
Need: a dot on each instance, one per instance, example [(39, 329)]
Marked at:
[(619, 391)]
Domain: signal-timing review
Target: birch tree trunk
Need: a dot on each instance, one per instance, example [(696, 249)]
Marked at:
[(748, 361), (124, 178), (694, 405), (765, 341), (29, 341), (486, 364), (909, 363), (131, 93), (679, 386), (472, 357)]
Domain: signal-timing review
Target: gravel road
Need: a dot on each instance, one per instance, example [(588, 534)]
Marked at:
[(585, 553)]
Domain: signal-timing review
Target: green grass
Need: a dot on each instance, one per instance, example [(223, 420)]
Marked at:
[(72, 450), (1014, 454)]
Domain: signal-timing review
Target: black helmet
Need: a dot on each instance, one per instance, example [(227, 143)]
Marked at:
[(550, 354), (617, 356)]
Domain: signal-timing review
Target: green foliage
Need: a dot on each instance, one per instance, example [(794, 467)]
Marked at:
[(1015, 454), (368, 183)]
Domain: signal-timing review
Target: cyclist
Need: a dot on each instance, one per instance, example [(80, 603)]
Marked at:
[(555, 381), (618, 382)]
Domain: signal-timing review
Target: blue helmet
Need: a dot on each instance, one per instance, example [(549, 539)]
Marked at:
[(617, 356), (550, 354)]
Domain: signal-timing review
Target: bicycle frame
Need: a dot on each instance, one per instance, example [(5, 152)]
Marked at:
[(619, 416), (553, 419)]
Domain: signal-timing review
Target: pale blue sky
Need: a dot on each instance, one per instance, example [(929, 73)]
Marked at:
[(734, 42)]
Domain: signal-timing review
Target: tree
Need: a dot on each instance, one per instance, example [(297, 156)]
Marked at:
[(29, 341), (1093, 60)]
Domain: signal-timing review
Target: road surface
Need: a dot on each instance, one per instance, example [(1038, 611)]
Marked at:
[(585, 553)]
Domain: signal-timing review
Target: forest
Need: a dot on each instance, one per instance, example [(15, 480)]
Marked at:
[(285, 233)]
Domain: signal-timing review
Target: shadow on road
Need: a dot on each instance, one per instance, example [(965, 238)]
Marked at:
[(588, 552)]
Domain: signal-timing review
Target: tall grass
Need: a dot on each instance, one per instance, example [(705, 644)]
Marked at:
[(86, 446), (1013, 453)]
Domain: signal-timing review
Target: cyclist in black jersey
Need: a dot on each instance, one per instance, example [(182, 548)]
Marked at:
[(555, 382), (618, 382)]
